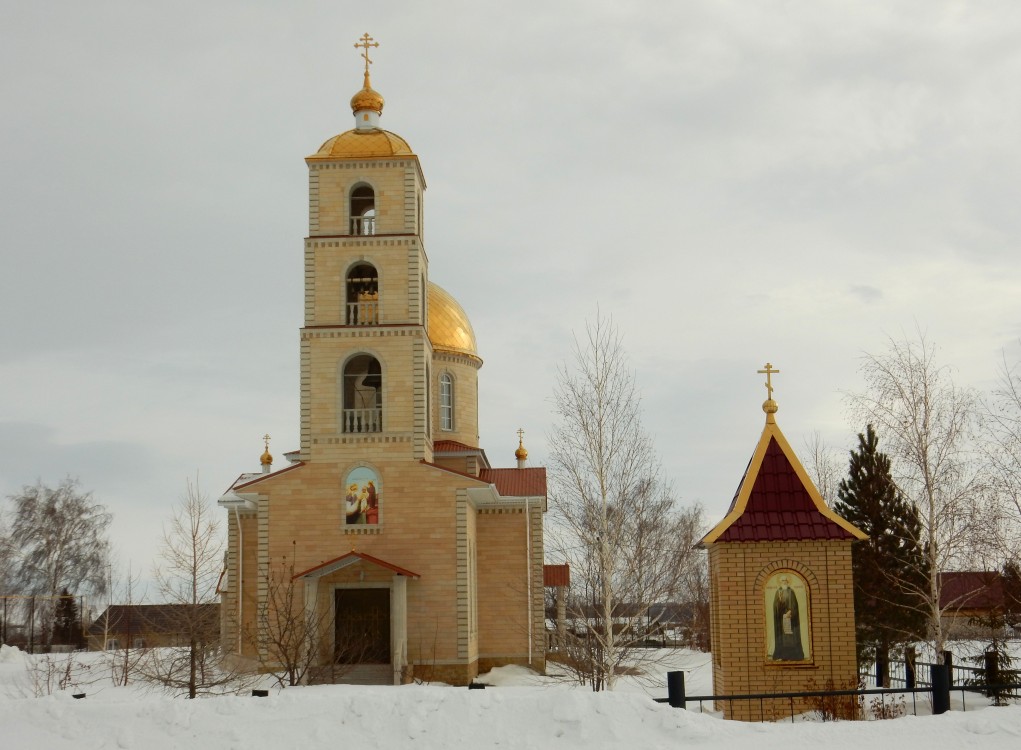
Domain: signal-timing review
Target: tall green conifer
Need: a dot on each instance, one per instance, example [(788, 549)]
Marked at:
[(890, 569)]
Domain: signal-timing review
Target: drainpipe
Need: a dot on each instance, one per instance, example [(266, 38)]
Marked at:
[(528, 559), (241, 547)]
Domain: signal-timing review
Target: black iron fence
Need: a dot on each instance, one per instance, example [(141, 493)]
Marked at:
[(865, 703)]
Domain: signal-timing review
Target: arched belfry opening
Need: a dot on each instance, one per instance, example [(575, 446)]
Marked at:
[(362, 295), (363, 210), (363, 395)]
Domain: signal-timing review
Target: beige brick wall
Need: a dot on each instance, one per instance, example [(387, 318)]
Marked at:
[(738, 574), (419, 530), (504, 633), (465, 375), (397, 184), (399, 262)]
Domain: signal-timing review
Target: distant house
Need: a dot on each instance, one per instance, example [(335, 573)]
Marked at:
[(966, 596), (151, 625)]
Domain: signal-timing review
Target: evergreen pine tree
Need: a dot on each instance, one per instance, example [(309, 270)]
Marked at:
[(890, 569), (66, 630)]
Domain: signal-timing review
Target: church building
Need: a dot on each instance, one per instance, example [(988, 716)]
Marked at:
[(406, 554)]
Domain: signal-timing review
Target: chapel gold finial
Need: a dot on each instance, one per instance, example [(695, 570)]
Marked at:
[(266, 459), (366, 100), (521, 454), (769, 405)]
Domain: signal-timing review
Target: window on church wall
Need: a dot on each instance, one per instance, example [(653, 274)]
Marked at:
[(362, 493), (788, 618), (362, 296), (363, 210), (446, 402), (363, 395)]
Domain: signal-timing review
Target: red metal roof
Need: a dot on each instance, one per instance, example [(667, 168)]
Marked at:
[(529, 482), (780, 507), (556, 575), (352, 557), (452, 446)]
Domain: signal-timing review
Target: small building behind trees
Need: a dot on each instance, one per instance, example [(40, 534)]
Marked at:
[(152, 625)]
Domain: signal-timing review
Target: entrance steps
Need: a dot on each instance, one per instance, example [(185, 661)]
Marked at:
[(351, 674)]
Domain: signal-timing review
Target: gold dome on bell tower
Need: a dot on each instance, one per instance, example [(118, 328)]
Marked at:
[(367, 99)]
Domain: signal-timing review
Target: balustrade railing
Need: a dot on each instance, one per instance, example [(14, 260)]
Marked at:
[(363, 225), (363, 420), (363, 313)]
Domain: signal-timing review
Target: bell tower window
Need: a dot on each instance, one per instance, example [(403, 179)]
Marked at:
[(363, 395), (446, 402), (362, 296), (363, 210)]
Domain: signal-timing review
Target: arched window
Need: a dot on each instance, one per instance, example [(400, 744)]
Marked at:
[(446, 402), (363, 395), (362, 296), (363, 210)]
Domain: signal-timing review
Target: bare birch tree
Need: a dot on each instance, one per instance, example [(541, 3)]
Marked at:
[(186, 576), (824, 467), (613, 514), (927, 424), (287, 636), (58, 539), (1002, 446)]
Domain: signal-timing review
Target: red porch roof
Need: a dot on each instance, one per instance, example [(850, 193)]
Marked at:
[(351, 558)]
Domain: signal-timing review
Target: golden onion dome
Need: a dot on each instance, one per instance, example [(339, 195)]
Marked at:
[(361, 144), (449, 327), (368, 98), (521, 454)]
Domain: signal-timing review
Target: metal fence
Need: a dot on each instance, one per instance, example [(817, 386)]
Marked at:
[(832, 704)]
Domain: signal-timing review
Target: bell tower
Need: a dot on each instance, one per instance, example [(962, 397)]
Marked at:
[(365, 349)]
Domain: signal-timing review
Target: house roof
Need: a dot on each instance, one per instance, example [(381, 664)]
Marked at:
[(529, 482), (154, 619), (556, 575), (777, 501), (351, 558), (971, 589)]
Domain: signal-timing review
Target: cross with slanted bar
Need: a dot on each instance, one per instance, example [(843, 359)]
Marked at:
[(769, 372), (366, 41)]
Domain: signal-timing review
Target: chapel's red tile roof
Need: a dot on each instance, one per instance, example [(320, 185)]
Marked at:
[(530, 482), (779, 507), (556, 575)]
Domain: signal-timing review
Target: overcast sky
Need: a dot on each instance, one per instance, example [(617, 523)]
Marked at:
[(732, 182)]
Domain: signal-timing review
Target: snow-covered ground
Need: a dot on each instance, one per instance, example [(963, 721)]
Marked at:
[(520, 710)]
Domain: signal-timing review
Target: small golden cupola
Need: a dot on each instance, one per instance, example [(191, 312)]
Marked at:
[(367, 104), (521, 454), (266, 459)]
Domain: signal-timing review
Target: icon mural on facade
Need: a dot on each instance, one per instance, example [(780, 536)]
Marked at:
[(788, 618), (361, 497)]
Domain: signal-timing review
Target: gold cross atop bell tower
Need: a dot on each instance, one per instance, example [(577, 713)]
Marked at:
[(366, 42)]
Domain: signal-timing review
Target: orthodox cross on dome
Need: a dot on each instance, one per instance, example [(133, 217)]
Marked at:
[(769, 405), (521, 434), (366, 42), (769, 372), (265, 439)]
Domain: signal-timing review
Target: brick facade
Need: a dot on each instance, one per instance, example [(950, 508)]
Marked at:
[(459, 556), (778, 527)]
